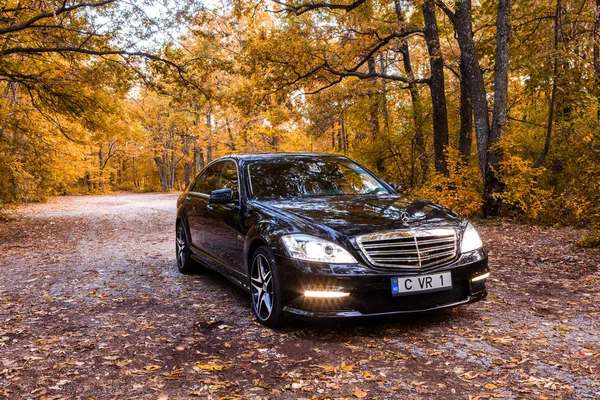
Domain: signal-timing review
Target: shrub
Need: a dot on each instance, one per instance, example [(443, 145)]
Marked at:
[(460, 191)]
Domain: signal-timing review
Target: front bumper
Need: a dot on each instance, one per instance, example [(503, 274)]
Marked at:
[(370, 289)]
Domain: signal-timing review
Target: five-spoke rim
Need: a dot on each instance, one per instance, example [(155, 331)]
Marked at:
[(180, 246), (261, 280)]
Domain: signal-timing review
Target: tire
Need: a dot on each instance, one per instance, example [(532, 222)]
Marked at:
[(183, 253), (267, 295)]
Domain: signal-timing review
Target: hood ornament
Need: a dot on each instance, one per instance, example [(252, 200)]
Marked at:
[(405, 216)]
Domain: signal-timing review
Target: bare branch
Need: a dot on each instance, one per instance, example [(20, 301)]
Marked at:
[(403, 34), (361, 75), (442, 6), (51, 14), (306, 7)]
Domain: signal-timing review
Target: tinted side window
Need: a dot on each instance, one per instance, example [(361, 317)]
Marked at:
[(229, 178), (207, 182)]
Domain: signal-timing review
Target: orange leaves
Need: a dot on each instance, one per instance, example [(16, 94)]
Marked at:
[(360, 393), (340, 368), (368, 376)]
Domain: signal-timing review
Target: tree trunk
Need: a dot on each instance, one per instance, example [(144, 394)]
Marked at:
[(438, 89), (199, 160), (232, 146), (417, 109), (209, 145), (384, 100), (549, 127), (461, 20), (343, 132), (493, 185), (374, 108), (596, 37), (172, 164), (375, 127), (162, 173), (465, 140)]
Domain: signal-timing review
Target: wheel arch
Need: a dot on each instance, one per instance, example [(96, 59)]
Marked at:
[(254, 244)]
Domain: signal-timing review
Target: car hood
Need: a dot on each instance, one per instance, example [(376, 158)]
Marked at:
[(356, 215)]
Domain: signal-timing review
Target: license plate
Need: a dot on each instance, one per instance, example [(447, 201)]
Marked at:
[(421, 283)]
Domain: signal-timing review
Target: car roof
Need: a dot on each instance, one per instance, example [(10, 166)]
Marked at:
[(274, 156)]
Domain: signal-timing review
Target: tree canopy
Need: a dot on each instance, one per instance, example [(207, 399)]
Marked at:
[(489, 107)]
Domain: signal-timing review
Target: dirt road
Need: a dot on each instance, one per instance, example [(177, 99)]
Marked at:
[(92, 306)]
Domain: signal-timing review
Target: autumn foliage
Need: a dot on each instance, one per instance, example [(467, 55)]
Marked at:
[(98, 97)]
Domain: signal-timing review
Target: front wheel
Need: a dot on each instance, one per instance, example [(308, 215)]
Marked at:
[(185, 263), (267, 296)]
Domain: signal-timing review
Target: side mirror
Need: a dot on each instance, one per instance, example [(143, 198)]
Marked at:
[(221, 196), (396, 187)]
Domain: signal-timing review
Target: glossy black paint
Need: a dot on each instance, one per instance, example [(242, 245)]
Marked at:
[(224, 235)]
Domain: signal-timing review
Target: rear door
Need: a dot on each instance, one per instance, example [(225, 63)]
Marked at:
[(198, 207), (227, 242)]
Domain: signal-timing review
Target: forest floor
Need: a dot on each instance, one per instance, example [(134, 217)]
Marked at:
[(92, 306)]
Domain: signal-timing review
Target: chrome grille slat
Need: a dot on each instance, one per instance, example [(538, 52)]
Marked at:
[(415, 251), (384, 252), (449, 251), (375, 246), (432, 241), (410, 248)]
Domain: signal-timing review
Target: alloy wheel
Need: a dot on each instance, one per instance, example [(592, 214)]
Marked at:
[(261, 280), (181, 246)]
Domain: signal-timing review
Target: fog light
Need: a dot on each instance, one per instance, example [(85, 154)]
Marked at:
[(325, 294), (480, 277)]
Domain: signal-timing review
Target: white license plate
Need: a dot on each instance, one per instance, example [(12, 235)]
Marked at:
[(421, 283)]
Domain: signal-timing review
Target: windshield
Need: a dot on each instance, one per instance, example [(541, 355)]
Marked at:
[(284, 178)]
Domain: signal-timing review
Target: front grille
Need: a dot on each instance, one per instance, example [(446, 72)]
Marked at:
[(383, 301), (410, 249)]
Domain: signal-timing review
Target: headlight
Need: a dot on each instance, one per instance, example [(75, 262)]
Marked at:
[(470, 240), (310, 248)]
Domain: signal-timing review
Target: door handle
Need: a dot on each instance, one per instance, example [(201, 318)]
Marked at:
[(188, 198), (209, 207)]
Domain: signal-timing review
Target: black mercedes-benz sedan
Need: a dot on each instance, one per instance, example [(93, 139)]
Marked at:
[(318, 235)]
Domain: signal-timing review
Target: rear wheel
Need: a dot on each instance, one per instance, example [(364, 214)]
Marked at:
[(267, 296), (185, 263)]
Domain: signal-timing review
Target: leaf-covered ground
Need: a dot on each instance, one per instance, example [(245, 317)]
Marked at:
[(92, 306)]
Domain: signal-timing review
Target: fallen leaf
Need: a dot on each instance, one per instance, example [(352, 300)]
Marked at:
[(209, 366)]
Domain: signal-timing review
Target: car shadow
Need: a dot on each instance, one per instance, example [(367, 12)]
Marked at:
[(334, 329)]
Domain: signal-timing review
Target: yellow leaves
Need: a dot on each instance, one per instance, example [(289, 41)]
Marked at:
[(211, 366), (505, 341), (490, 386), (360, 393), (460, 191), (368, 376), (562, 328), (522, 190)]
